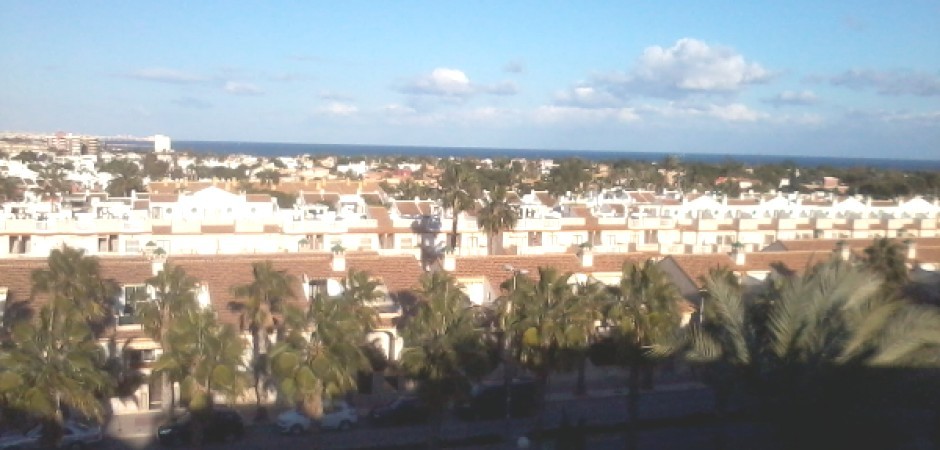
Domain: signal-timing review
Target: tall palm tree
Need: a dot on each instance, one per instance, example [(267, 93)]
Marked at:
[(459, 190), (642, 312), (73, 281), (321, 353), (55, 364), (823, 334), (549, 324), (444, 349), (209, 357), (495, 217), (264, 297), (175, 298)]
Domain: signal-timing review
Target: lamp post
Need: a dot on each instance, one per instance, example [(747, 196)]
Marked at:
[(507, 343)]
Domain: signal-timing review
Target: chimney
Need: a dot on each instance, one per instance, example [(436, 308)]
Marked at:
[(450, 261), (586, 254), (737, 254), (842, 248), (911, 249), (338, 264)]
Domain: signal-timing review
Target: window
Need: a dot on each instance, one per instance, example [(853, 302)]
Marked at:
[(131, 295), (19, 245), (132, 246)]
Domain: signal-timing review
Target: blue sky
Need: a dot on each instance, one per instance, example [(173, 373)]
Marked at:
[(835, 78)]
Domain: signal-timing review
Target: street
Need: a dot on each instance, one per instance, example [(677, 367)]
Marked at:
[(595, 410)]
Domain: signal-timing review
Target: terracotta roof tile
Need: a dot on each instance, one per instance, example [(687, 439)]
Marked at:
[(258, 198), (164, 198)]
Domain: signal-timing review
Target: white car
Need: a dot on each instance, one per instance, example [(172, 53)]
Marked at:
[(337, 416), (75, 436)]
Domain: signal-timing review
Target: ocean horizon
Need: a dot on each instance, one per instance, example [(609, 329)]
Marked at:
[(274, 149)]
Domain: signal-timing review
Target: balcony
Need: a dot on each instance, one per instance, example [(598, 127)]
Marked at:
[(651, 223)]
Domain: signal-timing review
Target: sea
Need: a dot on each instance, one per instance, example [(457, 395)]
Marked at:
[(271, 149)]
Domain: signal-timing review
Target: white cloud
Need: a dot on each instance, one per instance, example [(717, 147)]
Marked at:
[(339, 109), (890, 82), (793, 98), (239, 88), (690, 67), (442, 82), (587, 96), (693, 65), (164, 75), (454, 84)]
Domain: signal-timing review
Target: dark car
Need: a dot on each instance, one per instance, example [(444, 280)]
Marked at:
[(222, 424), (401, 411), (488, 401)]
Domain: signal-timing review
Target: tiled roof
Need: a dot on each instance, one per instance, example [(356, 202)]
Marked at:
[(546, 199), (696, 267), (164, 198), (162, 229), (312, 198), (222, 273), (258, 198), (928, 255), (15, 274)]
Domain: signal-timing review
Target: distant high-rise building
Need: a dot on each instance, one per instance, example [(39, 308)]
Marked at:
[(70, 144), (161, 144)]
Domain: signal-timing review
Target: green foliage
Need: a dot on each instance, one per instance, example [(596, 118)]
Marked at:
[(206, 358), (809, 349), (496, 216), (444, 348), (459, 191), (54, 361), (320, 356), (569, 176)]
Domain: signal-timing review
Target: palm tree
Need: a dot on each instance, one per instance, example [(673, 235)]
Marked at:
[(824, 333), (459, 192), (209, 358), (53, 182), (73, 281), (175, 298), (886, 258), (55, 364), (126, 177), (642, 312), (331, 329), (496, 216), (444, 347), (550, 325), (264, 297)]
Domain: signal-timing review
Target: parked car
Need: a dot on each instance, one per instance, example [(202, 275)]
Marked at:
[(223, 424), (488, 401), (338, 415), (402, 410), (75, 436)]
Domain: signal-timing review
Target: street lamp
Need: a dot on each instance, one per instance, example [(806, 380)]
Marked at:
[(507, 342)]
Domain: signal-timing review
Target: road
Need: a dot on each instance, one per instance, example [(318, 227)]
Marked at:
[(600, 410)]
